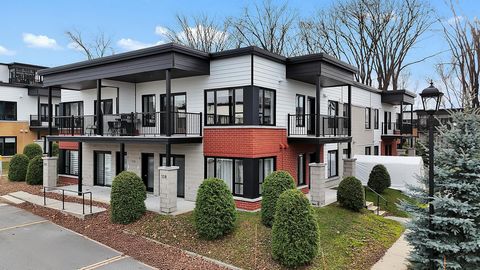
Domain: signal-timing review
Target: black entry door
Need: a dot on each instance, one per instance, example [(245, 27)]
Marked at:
[(311, 117), (179, 161), (179, 109), (148, 167)]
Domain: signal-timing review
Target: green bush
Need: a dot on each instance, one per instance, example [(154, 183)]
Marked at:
[(18, 167), (35, 171), (273, 185), (214, 212), (55, 149), (350, 194), (379, 178), (127, 200), (32, 150), (295, 235)]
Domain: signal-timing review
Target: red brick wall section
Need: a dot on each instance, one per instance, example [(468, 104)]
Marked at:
[(63, 180), (68, 145), (393, 142), (256, 143), (248, 206)]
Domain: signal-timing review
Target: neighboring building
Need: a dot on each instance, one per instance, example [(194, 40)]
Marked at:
[(237, 115), (22, 99), (442, 117)]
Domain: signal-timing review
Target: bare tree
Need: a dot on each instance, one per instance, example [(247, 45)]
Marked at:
[(268, 26), (460, 75), (99, 46), (202, 33), (374, 35)]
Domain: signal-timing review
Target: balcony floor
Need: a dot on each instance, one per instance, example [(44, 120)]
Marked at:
[(162, 139), (314, 140)]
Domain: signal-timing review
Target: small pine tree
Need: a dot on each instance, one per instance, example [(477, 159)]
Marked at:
[(455, 236), (379, 178), (32, 150), (274, 185)]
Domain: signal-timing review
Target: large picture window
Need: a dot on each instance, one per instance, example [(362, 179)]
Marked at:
[(368, 118), (229, 170), (224, 106), (68, 162), (332, 162), (266, 107), (8, 110), (8, 146), (265, 167)]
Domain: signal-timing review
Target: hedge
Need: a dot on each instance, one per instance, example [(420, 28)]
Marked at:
[(55, 149), (350, 194), (214, 213), (17, 170), (35, 171), (379, 178), (273, 185), (32, 150), (127, 200), (295, 235)]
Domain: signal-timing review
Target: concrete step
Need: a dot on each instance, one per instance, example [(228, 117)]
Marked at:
[(368, 203), (381, 213), (12, 199), (372, 208)]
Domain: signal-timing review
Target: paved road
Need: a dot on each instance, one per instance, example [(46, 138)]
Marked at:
[(28, 241)]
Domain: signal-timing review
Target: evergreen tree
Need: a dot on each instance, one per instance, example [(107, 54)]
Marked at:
[(455, 239)]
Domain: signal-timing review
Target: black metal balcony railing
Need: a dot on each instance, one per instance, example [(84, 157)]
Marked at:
[(42, 122), (132, 124), (389, 128), (305, 125)]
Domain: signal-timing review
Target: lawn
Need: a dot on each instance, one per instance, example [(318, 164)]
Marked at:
[(348, 240), (393, 197)]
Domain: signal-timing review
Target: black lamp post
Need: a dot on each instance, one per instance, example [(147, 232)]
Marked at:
[(431, 99)]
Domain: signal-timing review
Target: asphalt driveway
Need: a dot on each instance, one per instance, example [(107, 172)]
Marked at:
[(28, 241)]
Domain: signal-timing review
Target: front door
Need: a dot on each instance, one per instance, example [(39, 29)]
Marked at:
[(179, 109), (102, 168), (311, 117), (148, 167), (177, 160)]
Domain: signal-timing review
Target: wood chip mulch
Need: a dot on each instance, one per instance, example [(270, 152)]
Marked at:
[(99, 228)]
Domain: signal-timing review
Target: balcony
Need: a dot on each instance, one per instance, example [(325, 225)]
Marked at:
[(132, 124), (332, 128), (42, 122), (397, 129)]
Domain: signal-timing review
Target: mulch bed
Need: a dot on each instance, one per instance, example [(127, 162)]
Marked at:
[(99, 228)]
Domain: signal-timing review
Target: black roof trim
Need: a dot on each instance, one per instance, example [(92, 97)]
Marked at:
[(23, 64), (248, 51), (321, 57), (169, 47)]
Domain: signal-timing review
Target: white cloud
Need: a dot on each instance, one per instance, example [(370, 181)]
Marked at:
[(5, 51), (129, 44), (160, 30), (39, 41)]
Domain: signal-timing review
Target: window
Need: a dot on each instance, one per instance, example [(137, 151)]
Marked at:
[(266, 107), (332, 108), (68, 162), (117, 162), (375, 118), (368, 118), (345, 115), (148, 110), (332, 162), (265, 167), (44, 112), (229, 170), (368, 150), (8, 146), (71, 108), (8, 110), (106, 105), (224, 107), (300, 110), (301, 164), (375, 150)]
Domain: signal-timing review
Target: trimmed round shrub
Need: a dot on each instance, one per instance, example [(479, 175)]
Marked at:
[(35, 171), (274, 185), (32, 150), (214, 212), (55, 149), (127, 199), (17, 170), (379, 179), (350, 194), (295, 235)]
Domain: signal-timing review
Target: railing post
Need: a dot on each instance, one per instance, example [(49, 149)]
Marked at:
[(133, 127), (90, 202), (335, 119), (72, 125), (288, 125), (201, 125), (378, 204), (63, 199), (44, 197), (83, 202)]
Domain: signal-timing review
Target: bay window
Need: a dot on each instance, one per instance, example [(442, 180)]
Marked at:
[(266, 107), (224, 106), (229, 170), (265, 167)]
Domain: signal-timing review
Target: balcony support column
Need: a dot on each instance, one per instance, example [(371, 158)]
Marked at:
[(122, 157), (80, 168), (318, 88), (168, 89), (168, 154), (39, 110), (50, 129), (99, 108), (400, 124), (349, 149)]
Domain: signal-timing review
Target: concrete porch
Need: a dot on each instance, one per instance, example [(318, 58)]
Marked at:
[(102, 194)]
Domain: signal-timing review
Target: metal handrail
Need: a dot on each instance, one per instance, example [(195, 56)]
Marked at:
[(378, 199), (63, 197)]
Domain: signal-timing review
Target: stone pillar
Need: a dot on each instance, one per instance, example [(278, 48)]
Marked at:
[(402, 152), (50, 175), (317, 183), (168, 189), (349, 167), (411, 152)]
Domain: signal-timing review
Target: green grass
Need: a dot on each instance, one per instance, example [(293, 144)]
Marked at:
[(393, 197), (348, 240)]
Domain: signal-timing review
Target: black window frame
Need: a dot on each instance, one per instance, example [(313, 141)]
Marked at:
[(147, 116), (301, 181), (103, 102), (232, 116), (43, 112), (376, 150), (300, 110), (261, 171), (368, 150), (2, 145), (330, 175), (335, 105), (117, 162), (376, 118), (368, 119), (66, 167), (234, 183), (273, 107), (63, 108), (10, 116)]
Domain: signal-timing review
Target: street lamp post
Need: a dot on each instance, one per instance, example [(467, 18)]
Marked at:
[(431, 99)]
